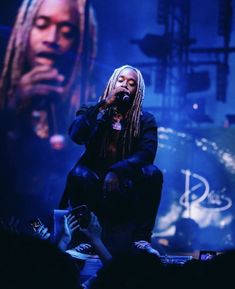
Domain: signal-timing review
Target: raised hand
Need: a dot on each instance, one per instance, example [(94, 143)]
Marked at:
[(43, 233), (94, 230), (93, 233), (11, 225), (40, 81), (70, 225)]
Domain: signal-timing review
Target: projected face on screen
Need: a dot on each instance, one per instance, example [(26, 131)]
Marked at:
[(54, 35)]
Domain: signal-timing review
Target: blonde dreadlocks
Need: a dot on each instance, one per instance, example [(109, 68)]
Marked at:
[(132, 129), (17, 45)]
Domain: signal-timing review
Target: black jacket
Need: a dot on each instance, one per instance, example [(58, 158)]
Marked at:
[(88, 129)]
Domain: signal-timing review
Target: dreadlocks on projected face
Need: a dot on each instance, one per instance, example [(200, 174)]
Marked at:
[(14, 63), (132, 129)]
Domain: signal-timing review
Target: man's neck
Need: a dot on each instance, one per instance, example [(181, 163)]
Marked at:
[(122, 110)]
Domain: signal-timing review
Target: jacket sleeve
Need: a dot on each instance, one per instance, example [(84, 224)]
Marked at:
[(144, 152), (85, 124)]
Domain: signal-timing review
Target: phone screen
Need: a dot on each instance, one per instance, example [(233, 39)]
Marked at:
[(82, 214)]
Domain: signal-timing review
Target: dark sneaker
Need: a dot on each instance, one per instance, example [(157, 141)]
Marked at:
[(145, 246), (83, 251)]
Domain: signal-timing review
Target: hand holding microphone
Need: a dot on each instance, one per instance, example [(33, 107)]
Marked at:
[(123, 97), (117, 95)]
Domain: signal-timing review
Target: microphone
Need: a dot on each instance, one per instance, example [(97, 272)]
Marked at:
[(123, 97)]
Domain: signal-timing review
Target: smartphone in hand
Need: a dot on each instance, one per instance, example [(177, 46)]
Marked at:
[(82, 214)]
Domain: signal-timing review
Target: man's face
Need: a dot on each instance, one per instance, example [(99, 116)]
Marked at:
[(54, 34), (128, 79)]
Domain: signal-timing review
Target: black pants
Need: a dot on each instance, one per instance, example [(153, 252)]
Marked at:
[(137, 202)]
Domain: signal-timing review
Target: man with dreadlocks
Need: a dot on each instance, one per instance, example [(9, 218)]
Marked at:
[(43, 61), (115, 177), (40, 86)]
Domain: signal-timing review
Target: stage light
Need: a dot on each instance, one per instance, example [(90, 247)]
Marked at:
[(196, 111)]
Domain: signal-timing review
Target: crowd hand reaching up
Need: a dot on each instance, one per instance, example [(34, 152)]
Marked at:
[(40, 81), (70, 225), (42, 233), (93, 233), (94, 230), (11, 225)]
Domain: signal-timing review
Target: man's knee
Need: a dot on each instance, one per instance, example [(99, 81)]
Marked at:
[(82, 180), (82, 187), (81, 172)]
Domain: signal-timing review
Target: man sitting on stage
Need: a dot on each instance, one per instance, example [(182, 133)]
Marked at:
[(115, 177)]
